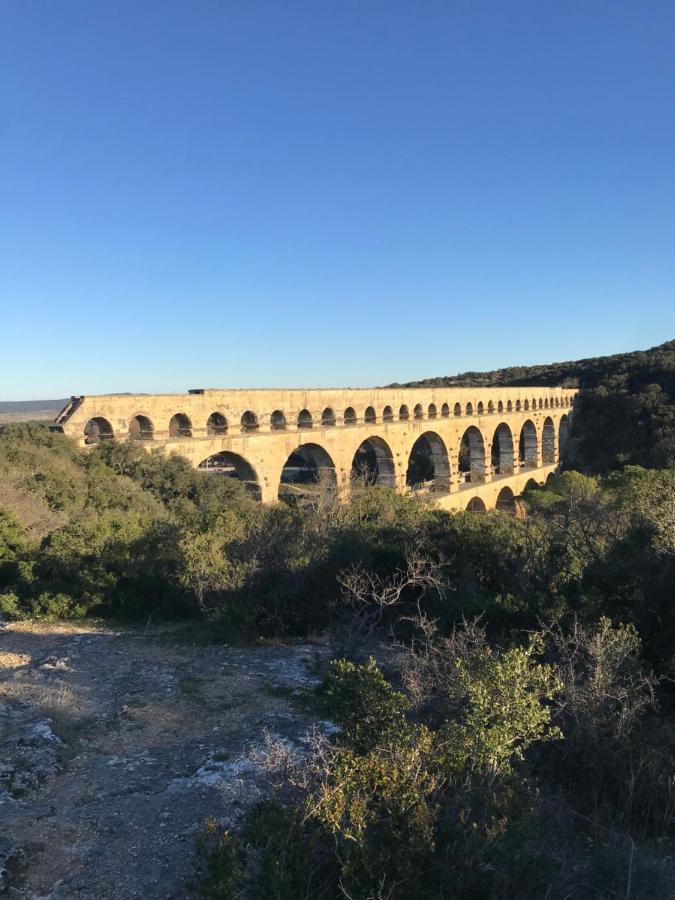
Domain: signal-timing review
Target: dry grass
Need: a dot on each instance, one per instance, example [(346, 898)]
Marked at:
[(69, 715)]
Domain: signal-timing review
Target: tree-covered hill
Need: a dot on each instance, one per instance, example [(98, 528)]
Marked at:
[(626, 414), (632, 371)]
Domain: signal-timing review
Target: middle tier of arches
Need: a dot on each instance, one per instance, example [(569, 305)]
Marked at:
[(423, 460)]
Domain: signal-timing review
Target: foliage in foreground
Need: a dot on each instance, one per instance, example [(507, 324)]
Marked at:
[(123, 532), (404, 803)]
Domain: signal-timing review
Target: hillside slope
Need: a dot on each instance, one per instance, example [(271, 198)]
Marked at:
[(635, 369), (626, 415)]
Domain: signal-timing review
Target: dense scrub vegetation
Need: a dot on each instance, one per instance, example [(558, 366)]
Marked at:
[(515, 736), (626, 414)]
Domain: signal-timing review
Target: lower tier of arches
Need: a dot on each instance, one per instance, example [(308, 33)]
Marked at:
[(500, 493)]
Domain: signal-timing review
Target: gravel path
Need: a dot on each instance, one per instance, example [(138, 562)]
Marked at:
[(116, 745)]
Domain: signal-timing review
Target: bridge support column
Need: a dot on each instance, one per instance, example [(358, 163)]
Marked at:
[(268, 493), (400, 480)]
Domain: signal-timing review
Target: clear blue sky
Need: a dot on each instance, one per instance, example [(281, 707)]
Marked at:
[(317, 193)]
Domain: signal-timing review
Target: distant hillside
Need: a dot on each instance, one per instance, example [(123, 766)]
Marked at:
[(636, 368), (29, 410), (626, 415)]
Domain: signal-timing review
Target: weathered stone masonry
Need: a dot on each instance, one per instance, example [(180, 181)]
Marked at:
[(484, 444)]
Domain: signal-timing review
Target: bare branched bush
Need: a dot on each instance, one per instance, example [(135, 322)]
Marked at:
[(604, 711), (366, 596), (428, 665)]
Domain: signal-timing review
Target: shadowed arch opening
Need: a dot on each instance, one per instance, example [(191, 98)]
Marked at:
[(563, 435), (509, 406), (428, 464), (418, 412), (278, 421), (506, 501), (458, 409), (231, 465), (249, 422), (180, 426), (526, 405), (404, 413), (480, 409), (500, 407), (370, 415), (502, 450), (518, 405), (445, 411), (373, 463), (469, 409), (387, 414), (471, 461), (476, 505), (216, 424), (548, 441), (531, 485), (327, 418), (305, 419), (97, 430), (140, 429), (527, 445), (546, 403), (491, 407), (350, 416), (541, 403), (431, 411), (306, 473)]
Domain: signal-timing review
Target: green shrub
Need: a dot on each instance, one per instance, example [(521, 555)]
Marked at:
[(362, 702), (10, 607)]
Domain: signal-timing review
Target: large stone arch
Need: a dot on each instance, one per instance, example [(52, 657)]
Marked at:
[(98, 430), (563, 434), (249, 422), (471, 455), (305, 420), (476, 505), (506, 501), (548, 442), (429, 463), (141, 429), (373, 463), (527, 444), (232, 465), (502, 450), (216, 424), (307, 470), (180, 426), (278, 420)]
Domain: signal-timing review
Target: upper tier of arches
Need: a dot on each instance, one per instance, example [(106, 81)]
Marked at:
[(181, 425)]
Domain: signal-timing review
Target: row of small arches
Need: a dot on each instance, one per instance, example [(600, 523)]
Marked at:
[(431, 461), (180, 425)]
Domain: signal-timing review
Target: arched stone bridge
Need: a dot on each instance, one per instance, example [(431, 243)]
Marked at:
[(471, 447)]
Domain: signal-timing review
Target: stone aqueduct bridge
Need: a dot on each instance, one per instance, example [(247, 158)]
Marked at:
[(471, 447)]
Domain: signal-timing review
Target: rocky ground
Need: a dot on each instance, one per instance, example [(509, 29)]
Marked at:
[(116, 745)]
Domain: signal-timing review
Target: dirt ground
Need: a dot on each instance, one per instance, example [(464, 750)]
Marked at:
[(116, 745)]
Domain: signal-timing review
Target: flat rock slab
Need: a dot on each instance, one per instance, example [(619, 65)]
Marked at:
[(115, 746)]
